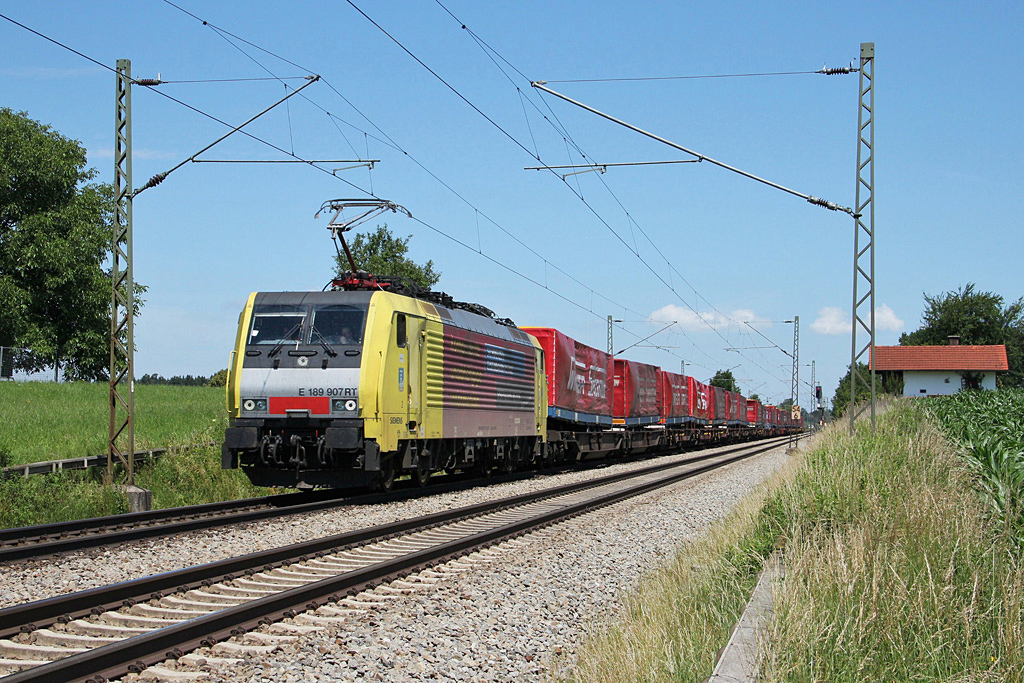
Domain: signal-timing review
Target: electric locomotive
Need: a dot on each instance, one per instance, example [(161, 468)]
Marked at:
[(355, 386)]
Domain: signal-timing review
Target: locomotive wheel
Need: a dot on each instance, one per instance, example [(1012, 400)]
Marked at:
[(421, 475), (387, 475)]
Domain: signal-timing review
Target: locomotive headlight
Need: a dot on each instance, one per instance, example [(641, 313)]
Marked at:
[(344, 405), (258, 405)]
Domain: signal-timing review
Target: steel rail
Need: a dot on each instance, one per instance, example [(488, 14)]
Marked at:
[(134, 654), (35, 542), (64, 608)]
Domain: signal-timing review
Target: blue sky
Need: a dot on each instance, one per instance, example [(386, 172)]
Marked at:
[(686, 242)]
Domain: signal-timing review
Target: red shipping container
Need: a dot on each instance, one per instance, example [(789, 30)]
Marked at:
[(673, 395), (753, 411), (636, 389), (740, 414), (701, 403), (718, 407), (578, 375)]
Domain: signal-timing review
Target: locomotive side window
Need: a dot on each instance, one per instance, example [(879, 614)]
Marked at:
[(277, 324), (337, 324), (400, 332)]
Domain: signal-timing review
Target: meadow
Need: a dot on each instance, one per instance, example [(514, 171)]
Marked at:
[(46, 421)]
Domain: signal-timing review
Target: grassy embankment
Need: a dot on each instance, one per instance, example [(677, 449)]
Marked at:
[(45, 421), (898, 568)]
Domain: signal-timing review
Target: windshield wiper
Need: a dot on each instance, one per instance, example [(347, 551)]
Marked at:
[(284, 340), (323, 342)]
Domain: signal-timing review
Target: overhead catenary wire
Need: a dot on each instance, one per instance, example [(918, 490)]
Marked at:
[(311, 162), (561, 128), (300, 160), (397, 147)]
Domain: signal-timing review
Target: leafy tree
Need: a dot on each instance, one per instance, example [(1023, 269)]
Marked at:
[(754, 397), (55, 231), (219, 378), (725, 380), (381, 253), (977, 318)]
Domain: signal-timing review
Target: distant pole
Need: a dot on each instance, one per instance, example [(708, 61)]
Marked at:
[(121, 444), (611, 324), (864, 255)]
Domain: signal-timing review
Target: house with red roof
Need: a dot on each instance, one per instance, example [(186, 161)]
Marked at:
[(942, 370)]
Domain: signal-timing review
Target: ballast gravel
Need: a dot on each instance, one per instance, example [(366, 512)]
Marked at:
[(511, 619), (520, 618)]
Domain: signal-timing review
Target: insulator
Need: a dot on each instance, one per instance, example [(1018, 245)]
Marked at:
[(835, 70), (148, 81), (153, 182)]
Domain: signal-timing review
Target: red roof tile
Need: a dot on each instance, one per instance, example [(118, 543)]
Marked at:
[(961, 357)]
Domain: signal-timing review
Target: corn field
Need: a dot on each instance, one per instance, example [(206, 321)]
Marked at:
[(989, 426)]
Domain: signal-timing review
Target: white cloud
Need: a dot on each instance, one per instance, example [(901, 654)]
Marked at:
[(832, 320), (885, 319), (690, 321), (835, 320)]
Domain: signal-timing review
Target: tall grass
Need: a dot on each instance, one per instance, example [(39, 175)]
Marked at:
[(47, 421), (57, 497), (893, 571)]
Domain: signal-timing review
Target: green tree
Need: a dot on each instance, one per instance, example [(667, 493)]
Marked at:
[(754, 397), (219, 378), (725, 380), (977, 318), (381, 253), (55, 231)]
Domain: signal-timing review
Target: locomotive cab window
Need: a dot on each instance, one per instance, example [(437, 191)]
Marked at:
[(400, 330), (277, 324), (339, 324)]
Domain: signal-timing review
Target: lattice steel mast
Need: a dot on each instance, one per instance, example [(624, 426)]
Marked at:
[(121, 444), (864, 232), (794, 386)]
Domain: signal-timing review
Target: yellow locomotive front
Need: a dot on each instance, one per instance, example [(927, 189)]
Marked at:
[(353, 388)]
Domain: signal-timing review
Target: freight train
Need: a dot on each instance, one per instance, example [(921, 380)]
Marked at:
[(374, 379)]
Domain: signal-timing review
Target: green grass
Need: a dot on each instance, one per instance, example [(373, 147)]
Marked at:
[(894, 572), (47, 421)]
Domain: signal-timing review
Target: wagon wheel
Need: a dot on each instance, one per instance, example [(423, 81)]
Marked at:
[(482, 466)]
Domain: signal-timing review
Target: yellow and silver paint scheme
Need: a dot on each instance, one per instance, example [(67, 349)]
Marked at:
[(402, 391)]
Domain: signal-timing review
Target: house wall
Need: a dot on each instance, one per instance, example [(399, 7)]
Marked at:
[(939, 383)]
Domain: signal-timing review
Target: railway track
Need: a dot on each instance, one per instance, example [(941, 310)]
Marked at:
[(110, 631), (48, 540)]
